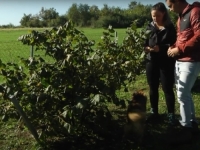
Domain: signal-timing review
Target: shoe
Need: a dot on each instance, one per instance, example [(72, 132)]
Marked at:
[(153, 118), (172, 119), (183, 135)]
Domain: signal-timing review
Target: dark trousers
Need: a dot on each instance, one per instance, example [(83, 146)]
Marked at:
[(161, 73)]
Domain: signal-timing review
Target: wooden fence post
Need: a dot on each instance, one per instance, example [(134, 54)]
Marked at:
[(25, 118), (31, 51), (116, 37)]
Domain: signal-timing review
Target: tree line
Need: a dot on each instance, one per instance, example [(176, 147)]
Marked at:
[(83, 15)]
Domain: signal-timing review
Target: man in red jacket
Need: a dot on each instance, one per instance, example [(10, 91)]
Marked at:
[(187, 53)]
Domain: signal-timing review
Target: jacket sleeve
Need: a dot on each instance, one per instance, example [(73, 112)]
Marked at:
[(195, 25), (146, 42)]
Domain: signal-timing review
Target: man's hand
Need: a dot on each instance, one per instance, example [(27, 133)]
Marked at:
[(172, 52)]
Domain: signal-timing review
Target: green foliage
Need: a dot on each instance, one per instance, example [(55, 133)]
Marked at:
[(69, 95), (45, 18), (174, 17)]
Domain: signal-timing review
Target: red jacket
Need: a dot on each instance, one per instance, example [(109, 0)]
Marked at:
[(188, 33)]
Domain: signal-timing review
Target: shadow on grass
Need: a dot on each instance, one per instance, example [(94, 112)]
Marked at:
[(196, 86), (155, 138)]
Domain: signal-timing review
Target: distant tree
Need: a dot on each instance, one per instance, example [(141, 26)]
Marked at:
[(10, 25), (48, 17), (141, 13), (74, 14), (94, 12), (85, 16), (173, 17), (34, 22), (106, 11), (132, 5), (62, 20), (25, 20), (48, 14), (118, 19)]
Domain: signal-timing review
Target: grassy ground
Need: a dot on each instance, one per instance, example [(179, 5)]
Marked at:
[(13, 137)]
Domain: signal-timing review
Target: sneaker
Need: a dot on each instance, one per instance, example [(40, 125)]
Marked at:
[(153, 118), (172, 119)]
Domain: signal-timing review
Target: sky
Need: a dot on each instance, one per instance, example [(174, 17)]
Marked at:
[(11, 11)]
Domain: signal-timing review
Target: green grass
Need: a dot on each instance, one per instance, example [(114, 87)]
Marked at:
[(95, 34), (11, 48), (13, 137)]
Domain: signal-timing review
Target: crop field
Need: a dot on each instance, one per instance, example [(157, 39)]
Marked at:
[(15, 137), (11, 48)]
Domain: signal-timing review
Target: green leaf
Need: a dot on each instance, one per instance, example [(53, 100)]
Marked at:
[(68, 127), (129, 75), (65, 113), (68, 57), (122, 103), (79, 106), (96, 99), (3, 72), (125, 89), (110, 29), (5, 118)]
